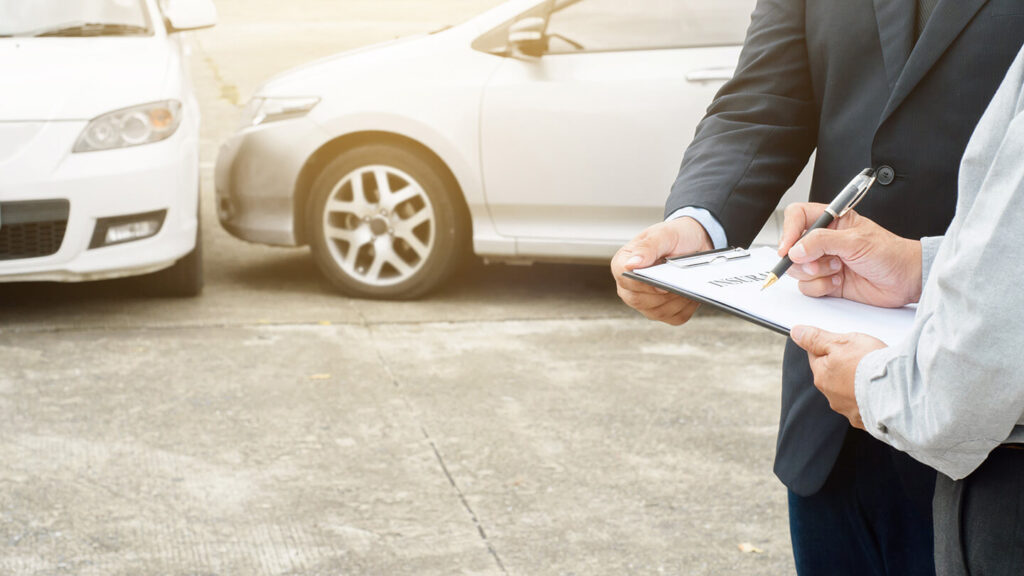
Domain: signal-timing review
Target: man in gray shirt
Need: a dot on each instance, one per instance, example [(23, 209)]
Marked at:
[(952, 393)]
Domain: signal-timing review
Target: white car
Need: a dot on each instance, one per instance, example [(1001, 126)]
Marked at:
[(99, 142), (540, 130)]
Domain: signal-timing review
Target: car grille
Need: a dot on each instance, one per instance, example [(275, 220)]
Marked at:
[(32, 229)]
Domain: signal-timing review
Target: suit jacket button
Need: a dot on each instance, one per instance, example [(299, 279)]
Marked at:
[(885, 175)]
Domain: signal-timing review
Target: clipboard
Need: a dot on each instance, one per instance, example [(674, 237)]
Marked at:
[(709, 258), (730, 280)]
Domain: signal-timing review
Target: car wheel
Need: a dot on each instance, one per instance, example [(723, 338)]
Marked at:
[(385, 223), (184, 279)]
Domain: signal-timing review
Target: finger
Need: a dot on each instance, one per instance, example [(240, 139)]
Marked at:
[(648, 248), (814, 340), (674, 312), (630, 285), (799, 217), (645, 300), (801, 335), (846, 244), (819, 287), (820, 268), (629, 257), (626, 259)]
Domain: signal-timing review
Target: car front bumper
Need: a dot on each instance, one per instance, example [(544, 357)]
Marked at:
[(256, 175), (160, 178)]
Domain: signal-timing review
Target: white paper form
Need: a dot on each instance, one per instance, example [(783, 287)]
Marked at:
[(737, 284)]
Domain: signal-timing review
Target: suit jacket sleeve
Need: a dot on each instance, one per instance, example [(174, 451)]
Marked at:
[(758, 132), (953, 390)]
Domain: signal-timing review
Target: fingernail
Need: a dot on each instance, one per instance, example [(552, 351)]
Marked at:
[(835, 280), (835, 265), (807, 269), (796, 333), (634, 260), (797, 251)]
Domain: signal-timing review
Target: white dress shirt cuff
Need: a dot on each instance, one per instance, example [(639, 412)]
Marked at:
[(929, 248), (709, 222)]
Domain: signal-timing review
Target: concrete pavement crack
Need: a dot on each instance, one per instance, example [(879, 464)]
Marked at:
[(437, 453), (228, 91), (465, 502)]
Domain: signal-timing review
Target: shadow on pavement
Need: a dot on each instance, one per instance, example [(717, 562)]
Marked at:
[(290, 275)]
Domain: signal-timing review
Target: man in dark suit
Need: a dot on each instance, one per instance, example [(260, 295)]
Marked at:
[(896, 85)]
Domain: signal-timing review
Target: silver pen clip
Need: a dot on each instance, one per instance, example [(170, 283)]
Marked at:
[(711, 257), (862, 190)]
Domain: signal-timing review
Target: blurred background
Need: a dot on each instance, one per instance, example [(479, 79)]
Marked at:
[(516, 420), (255, 39)]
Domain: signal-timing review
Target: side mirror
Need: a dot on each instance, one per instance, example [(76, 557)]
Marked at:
[(526, 37), (184, 15)]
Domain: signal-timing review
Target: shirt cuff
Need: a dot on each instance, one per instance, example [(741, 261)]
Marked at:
[(929, 248), (887, 411), (705, 219), (872, 367)]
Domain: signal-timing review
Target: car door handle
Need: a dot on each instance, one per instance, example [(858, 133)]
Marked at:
[(720, 73)]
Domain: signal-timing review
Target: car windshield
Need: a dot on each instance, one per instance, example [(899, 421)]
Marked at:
[(73, 18)]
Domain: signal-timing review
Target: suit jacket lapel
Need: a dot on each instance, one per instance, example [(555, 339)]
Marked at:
[(946, 23), (896, 33)]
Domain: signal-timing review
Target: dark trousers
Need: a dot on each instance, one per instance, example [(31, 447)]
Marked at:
[(871, 518), (979, 521)]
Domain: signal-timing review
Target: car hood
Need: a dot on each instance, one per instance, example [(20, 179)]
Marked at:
[(297, 81), (46, 79)]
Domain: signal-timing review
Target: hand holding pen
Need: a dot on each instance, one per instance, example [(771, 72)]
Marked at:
[(847, 199), (857, 260)]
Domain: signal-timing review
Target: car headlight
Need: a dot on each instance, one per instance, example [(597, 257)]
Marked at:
[(130, 127), (261, 110)]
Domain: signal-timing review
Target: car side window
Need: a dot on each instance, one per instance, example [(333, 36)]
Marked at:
[(615, 25)]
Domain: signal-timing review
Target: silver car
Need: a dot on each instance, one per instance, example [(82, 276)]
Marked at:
[(540, 130)]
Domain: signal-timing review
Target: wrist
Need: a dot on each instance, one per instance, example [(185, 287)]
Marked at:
[(694, 234)]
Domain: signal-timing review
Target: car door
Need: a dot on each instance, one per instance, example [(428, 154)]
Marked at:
[(581, 145)]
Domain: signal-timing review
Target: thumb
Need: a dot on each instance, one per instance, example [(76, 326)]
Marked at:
[(813, 340), (637, 257), (845, 244), (650, 248)]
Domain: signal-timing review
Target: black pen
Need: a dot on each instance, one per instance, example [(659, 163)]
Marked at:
[(844, 202)]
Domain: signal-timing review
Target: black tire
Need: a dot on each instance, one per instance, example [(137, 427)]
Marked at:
[(387, 266), (184, 279)]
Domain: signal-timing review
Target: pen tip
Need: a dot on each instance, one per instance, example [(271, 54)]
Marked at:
[(772, 278)]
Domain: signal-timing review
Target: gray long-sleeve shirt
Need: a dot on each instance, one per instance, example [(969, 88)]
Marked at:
[(953, 390)]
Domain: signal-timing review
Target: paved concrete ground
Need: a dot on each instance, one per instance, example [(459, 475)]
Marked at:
[(522, 421)]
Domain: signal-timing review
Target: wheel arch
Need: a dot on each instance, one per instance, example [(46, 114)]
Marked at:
[(341, 144)]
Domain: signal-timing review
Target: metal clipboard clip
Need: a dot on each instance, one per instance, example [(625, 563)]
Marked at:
[(709, 257)]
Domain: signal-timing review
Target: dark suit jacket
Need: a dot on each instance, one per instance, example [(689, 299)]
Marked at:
[(845, 77)]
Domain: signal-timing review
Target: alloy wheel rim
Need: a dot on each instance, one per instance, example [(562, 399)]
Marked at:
[(379, 225)]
